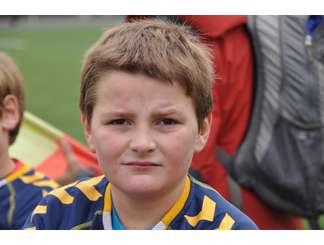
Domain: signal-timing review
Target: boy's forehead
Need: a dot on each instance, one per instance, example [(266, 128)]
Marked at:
[(118, 78), (122, 88)]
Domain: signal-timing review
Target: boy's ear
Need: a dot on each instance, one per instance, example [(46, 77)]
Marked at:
[(203, 133), (10, 113), (87, 131)]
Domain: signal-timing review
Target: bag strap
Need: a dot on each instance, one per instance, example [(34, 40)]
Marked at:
[(233, 187)]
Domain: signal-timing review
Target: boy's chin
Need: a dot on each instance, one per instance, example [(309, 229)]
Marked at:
[(143, 187)]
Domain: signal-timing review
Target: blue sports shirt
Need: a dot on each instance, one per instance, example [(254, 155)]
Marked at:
[(87, 204), (20, 193)]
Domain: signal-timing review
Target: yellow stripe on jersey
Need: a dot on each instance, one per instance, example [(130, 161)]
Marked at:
[(29, 179), (16, 174), (88, 188), (82, 226), (172, 213), (63, 195), (12, 203), (30, 228), (107, 204), (46, 183), (40, 209), (207, 212), (227, 223)]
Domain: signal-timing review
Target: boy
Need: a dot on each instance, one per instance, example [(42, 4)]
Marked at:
[(145, 104), (21, 188)]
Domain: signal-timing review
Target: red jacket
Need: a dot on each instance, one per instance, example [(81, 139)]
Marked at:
[(232, 92)]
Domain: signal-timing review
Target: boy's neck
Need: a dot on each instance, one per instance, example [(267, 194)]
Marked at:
[(6, 165), (141, 214)]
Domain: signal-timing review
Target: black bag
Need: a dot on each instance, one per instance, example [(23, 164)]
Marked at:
[(282, 155)]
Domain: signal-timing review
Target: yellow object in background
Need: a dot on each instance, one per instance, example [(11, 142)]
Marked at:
[(38, 145), (36, 140)]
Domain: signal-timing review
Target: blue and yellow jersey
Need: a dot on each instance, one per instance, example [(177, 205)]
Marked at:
[(20, 192), (87, 204)]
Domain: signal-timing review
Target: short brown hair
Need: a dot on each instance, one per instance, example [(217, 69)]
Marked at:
[(158, 49), (11, 82)]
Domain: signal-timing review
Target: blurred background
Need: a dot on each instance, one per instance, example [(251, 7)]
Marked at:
[(49, 51)]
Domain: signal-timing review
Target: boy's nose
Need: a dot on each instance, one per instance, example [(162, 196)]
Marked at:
[(142, 142)]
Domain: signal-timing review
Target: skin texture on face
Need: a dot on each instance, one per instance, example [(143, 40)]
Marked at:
[(144, 133)]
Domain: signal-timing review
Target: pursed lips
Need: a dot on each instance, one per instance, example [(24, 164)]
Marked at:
[(142, 164)]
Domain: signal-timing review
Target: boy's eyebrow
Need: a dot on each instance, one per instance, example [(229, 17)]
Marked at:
[(167, 111), (159, 111), (118, 113)]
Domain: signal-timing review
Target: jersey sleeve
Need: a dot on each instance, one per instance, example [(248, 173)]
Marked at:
[(74, 206), (39, 219), (49, 211)]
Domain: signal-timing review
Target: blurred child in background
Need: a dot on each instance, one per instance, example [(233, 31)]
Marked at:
[(21, 187)]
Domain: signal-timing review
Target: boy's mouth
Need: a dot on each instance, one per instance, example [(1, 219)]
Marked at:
[(142, 164)]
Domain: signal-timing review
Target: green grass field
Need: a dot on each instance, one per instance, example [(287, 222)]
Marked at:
[(50, 60)]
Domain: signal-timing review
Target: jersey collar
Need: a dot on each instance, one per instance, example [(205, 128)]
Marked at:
[(165, 221)]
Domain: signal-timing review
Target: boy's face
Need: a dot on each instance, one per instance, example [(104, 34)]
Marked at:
[(144, 133)]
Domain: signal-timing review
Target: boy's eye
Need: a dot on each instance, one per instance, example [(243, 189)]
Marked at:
[(168, 121), (119, 122)]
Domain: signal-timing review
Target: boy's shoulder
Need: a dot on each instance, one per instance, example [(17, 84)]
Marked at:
[(70, 207), (32, 179), (27, 183), (20, 192), (207, 209), (88, 189)]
